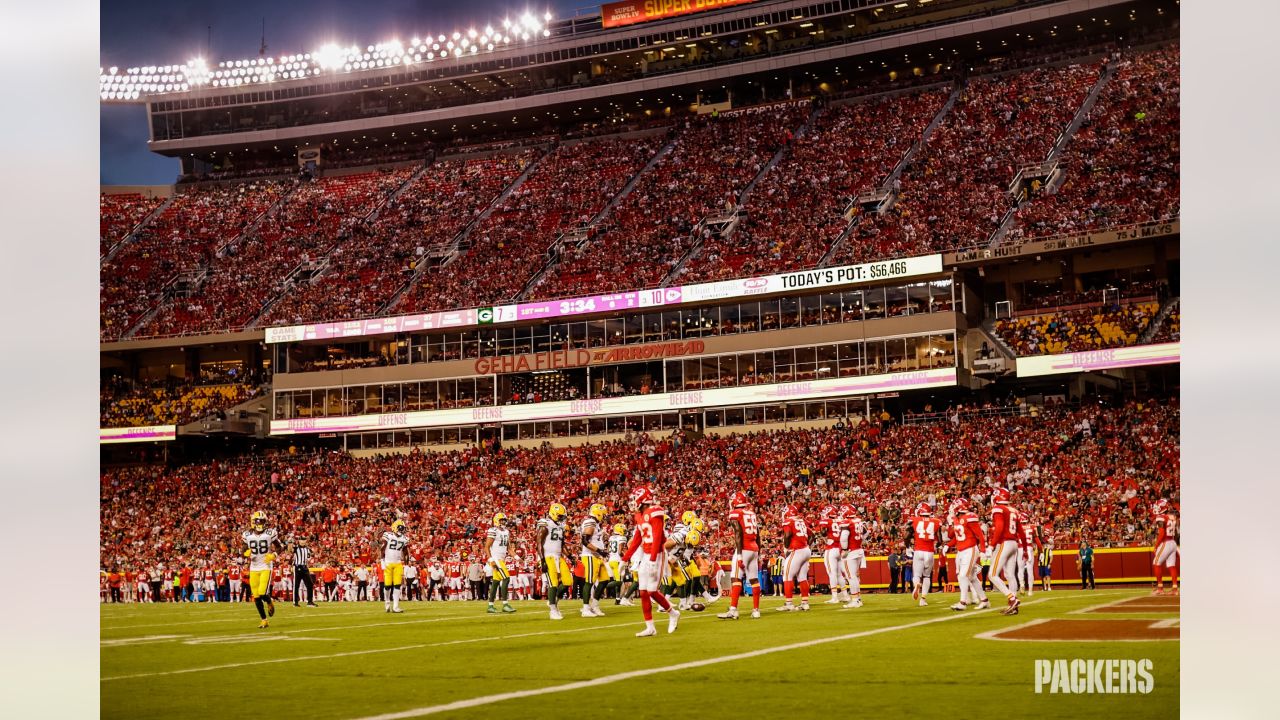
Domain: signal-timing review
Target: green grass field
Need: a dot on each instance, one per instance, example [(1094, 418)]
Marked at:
[(350, 660)]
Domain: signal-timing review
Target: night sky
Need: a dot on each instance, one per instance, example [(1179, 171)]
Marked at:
[(147, 32)]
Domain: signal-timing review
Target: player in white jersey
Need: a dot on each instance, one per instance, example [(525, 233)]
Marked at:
[(551, 541), (594, 574), (394, 547), (496, 543), (853, 558), (261, 541), (616, 566)]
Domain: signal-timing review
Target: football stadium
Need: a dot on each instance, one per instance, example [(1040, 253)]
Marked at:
[(768, 355)]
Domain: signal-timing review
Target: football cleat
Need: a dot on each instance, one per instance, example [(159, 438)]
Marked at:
[(586, 612), (959, 607), (755, 614), (854, 603), (730, 614), (271, 607), (788, 607), (492, 610), (555, 614), (673, 621), (506, 608), (647, 632), (804, 606), (915, 594), (396, 610), (924, 603), (833, 601), (984, 605), (263, 624)]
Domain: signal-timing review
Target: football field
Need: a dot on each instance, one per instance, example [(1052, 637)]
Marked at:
[(353, 660)]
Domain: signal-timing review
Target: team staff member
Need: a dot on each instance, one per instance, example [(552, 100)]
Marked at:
[(1085, 564), (302, 574)]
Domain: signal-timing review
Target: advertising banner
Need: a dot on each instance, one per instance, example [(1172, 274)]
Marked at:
[(745, 395), (145, 433), (1162, 354), (630, 12)]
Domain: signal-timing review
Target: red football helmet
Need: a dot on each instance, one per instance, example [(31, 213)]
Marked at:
[(828, 511), (1160, 507), (958, 506), (924, 509), (642, 496), (788, 512), (847, 512), (1000, 495), (738, 499)]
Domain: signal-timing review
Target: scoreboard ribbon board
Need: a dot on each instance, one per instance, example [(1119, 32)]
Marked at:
[(631, 12)]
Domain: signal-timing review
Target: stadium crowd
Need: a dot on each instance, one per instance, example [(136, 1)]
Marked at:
[(796, 211), (368, 268), (1123, 164), (570, 185), (1087, 328), (124, 403), (119, 214), (1090, 472), (955, 193), (186, 236), (253, 269), (712, 161)]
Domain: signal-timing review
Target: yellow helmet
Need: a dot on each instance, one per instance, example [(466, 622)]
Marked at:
[(259, 520), (397, 526), (619, 529), (693, 538), (688, 517), (698, 525), (499, 518), (556, 511), (598, 511)]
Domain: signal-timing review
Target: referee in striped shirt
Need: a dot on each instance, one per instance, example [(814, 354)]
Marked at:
[(302, 573)]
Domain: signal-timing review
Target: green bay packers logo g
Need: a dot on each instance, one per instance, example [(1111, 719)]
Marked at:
[(484, 316)]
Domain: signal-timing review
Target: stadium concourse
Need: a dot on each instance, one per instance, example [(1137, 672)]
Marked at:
[(1089, 473), (288, 251)]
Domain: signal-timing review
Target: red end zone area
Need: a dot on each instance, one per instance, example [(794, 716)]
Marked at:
[(1101, 629)]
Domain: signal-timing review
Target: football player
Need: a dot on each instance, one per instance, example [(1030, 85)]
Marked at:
[(496, 542), (1028, 541), (394, 547), (1004, 544), (852, 557), (651, 542), (677, 580), (593, 560), (926, 529), (966, 530), (551, 540), (260, 541), (795, 567), (831, 552), (618, 573), (746, 555), (1166, 545)]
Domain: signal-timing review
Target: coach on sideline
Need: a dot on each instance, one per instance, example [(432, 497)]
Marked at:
[(302, 573)]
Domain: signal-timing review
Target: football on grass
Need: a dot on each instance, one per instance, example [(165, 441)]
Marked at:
[(697, 607)]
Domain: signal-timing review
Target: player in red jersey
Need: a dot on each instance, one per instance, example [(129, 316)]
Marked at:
[(1004, 548), (827, 529), (1165, 554), (926, 531), (966, 531), (1028, 543), (795, 568), (853, 559), (651, 541), (746, 555)]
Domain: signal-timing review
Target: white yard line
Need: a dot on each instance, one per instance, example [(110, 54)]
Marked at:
[(232, 665), (240, 617), (646, 672)]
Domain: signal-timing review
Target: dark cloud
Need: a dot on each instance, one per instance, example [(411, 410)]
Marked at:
[(147, 32)]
